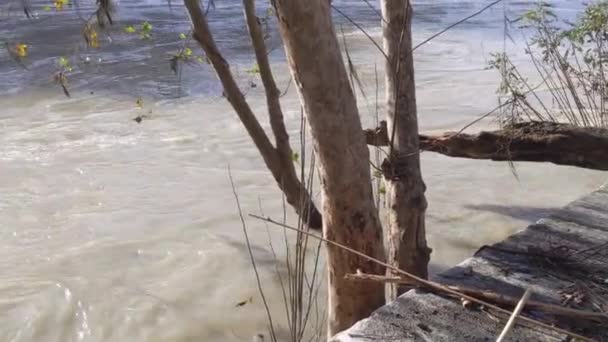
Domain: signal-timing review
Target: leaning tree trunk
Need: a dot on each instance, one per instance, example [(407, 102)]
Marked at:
[(530, 141), (407, 247), (278, 160), (349, 215)]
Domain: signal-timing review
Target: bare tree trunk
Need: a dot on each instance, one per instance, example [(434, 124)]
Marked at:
[(278, 160), (407, 247), (349, 215)]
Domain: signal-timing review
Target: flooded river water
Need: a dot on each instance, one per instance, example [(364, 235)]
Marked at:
[(116, 231)]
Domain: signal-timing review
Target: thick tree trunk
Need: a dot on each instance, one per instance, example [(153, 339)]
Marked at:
[(349, 214), (557, 143), (278, 160), (407, 247)]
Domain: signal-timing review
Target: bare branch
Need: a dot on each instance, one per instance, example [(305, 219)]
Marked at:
[(278, 160), (491, 296), (203, 35), (360, 29), (270, 87)]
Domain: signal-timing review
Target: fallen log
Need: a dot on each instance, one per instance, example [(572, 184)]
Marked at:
[(552, 142)]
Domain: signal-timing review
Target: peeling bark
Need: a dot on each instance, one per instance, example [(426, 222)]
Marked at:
[(349, 213)]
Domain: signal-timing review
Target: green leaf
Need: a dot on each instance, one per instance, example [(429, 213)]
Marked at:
[(64, 62), (382, 190), (254, 70), (146, 27), (295, 156), (130, 29), (182, 36), (187, 52)]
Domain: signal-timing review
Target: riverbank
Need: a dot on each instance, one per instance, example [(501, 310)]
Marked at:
[(562, 259)]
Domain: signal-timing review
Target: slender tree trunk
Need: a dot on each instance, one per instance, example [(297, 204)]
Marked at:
[(407, 247), (349, 215), (278, 160)]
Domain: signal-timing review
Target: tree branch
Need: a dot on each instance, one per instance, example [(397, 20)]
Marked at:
[(489, 296), (556, 143), (274, 158), (203, 36)]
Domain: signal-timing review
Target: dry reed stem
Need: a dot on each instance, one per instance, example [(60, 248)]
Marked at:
[(516, 312)]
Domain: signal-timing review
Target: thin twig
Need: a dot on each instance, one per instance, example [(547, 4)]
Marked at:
[(456, 24), (255, 269), (369, 4), (276, 260), (491, 296), (361, 29)]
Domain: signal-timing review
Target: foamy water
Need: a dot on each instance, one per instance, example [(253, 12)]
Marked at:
[(118, 231)]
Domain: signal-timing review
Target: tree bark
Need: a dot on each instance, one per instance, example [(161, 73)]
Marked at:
[(535, 141), (407, 247), (349, 214), (278, 160), (556, 143)]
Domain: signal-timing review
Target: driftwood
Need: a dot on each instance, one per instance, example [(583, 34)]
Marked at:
[(556, 143)]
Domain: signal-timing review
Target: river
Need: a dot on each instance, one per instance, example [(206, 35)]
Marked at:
[(118, 231)]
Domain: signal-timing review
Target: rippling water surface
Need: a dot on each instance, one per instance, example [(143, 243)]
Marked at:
[(118, 231)]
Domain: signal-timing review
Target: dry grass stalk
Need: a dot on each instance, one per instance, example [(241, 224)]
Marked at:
[(493, 297), (516, 312)]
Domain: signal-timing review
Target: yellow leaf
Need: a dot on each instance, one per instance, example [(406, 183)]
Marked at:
[(59, 4), (94, 41), (63, 61), (21, 50), (187, 52), (90, 35)]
